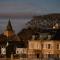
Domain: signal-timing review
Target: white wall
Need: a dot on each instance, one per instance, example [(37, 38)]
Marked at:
[(21, 50), (35, 45), (3, 50)]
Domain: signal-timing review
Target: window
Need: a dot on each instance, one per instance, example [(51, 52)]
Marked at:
[(57, 56), (49, 46), (43, 36), (37, 55), (42, 46), (17, 52), (49, 37), (57, 46)]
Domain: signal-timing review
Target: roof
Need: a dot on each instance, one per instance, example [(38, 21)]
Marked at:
[(9, 26), (2, 39), (56, 35), (52, 34)]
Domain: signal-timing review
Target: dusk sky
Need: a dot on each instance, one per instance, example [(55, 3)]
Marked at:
[(26, 8), (30, 6)]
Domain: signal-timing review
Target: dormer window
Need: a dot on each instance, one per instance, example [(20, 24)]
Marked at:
[(49, 37)]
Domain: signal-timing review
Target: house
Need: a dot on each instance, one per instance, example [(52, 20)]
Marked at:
[(46, 46)]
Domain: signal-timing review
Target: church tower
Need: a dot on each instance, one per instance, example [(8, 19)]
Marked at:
[(9, 30)]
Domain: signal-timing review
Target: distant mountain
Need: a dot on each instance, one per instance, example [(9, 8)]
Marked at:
[(39, 24)]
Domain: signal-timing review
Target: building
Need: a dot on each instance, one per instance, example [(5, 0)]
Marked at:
[(47, 46)]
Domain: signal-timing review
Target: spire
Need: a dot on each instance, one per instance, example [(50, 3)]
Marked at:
[(9, 26), (9, 30)]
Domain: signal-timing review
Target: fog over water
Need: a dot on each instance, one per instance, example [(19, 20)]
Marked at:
[(17, 23)]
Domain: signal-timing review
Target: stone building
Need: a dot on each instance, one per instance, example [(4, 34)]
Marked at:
[(47, 46)]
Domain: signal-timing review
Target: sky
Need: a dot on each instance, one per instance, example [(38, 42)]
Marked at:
[(17, 24), (30, 6), (25, 8)]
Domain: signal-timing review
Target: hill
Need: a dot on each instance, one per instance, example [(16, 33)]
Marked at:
[(44, 21), (39, 24)]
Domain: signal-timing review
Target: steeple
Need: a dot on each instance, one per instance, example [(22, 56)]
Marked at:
[(9, 26), (9, 30)]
